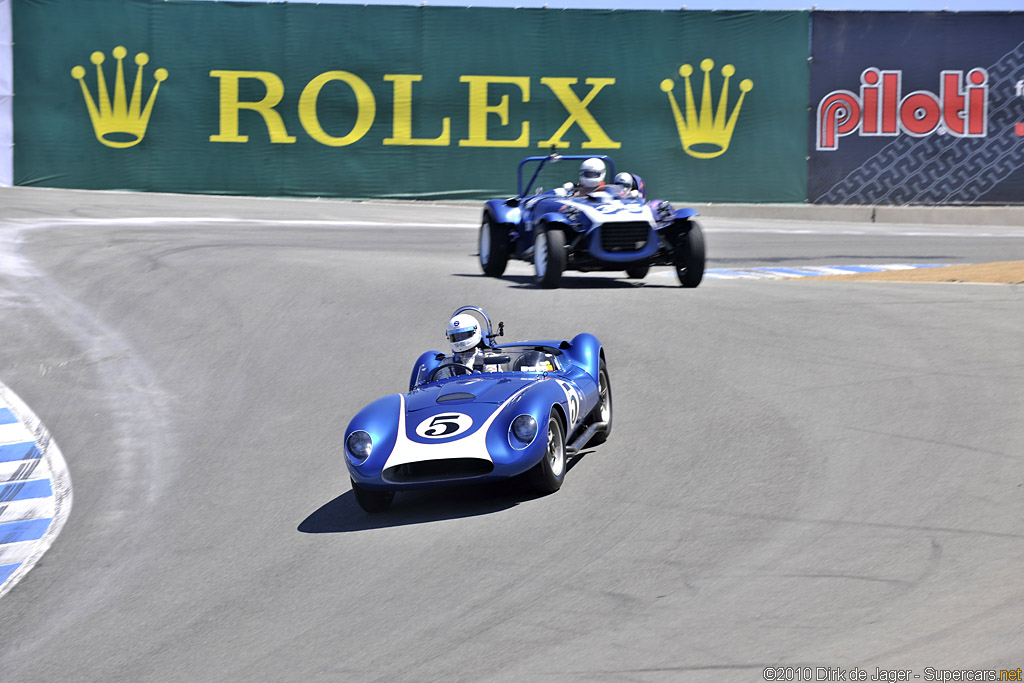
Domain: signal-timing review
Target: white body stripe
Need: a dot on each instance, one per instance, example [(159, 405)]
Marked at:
[(472, 446)]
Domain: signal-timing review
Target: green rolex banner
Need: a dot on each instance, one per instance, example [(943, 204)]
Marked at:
[(398, 101)]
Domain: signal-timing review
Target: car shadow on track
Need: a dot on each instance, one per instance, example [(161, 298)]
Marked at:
[(577, 282), (343, 514)]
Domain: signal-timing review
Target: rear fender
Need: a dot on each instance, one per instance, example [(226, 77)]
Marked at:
[(585, 351)]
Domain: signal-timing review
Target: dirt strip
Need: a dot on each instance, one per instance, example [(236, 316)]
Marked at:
[(1000, 272)]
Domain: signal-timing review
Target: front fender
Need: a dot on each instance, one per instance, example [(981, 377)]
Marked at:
[(501, 212), (380, 421), (557, 219), (538, 400)]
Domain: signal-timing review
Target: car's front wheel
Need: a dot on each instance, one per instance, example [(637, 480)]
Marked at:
[(493, 247), (549, 258), (547, 475), (372, 501), (689, 255)]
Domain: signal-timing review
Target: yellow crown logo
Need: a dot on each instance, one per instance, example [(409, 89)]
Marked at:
[(119, 124), (702, 135)]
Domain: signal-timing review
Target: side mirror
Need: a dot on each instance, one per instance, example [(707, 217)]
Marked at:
[(497, 360), (512, 201), (565, 345)]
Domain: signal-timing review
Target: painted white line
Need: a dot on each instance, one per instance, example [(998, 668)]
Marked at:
[(27, 553), (873, 233), (165, 221)]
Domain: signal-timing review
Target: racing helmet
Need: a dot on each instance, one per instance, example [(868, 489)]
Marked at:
[(592, 174), (625, 180), (463, 333)]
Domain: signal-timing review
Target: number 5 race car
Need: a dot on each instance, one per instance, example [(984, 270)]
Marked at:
[(536, 404), (613, 228)]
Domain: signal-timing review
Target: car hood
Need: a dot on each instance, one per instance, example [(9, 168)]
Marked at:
[(483, 388)]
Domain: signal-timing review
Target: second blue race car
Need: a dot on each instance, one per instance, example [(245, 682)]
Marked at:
[(592, 227), (536, 404)]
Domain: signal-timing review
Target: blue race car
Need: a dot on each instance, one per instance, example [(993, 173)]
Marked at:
[(537, 404), (613, 228)]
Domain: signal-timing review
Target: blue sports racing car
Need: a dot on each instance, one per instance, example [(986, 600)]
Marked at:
[(590, 226), (521, 408)]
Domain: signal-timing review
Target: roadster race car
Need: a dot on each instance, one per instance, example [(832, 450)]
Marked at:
[(536, 404), (615, 228)]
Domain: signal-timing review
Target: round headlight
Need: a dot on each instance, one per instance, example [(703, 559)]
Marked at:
[(524, 428), (359, 444)]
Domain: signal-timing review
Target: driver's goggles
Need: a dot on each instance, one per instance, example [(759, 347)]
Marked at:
[(462, 335), (590, 174)]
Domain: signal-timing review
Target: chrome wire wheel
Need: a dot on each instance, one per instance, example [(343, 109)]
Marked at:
[(604, 391), (603, 410), (556, 448), (546, 476)]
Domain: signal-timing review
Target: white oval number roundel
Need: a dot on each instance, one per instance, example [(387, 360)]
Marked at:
[(444, 425)]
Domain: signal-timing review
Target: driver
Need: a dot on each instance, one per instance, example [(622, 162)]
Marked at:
[(467, 343), (592, 173)]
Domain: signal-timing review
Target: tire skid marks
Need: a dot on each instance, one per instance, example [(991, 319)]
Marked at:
[(780, 273), (35, 490)]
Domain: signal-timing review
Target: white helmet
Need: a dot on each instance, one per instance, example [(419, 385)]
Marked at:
[(463, 333), (591, 174), (625, 180)]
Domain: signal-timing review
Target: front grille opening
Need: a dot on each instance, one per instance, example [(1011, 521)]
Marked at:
[(438, 470), (624, 237)]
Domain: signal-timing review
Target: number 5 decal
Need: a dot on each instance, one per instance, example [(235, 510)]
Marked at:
[(573, 399), (443, 426)]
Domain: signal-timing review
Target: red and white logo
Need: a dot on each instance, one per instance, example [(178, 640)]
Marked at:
[(881, 109)]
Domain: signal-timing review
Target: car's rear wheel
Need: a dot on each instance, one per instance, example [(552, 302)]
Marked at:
[(549, 258), (603, 410), (689, 255), (493, 247), (638, 271), (372, 501), (547, 475)]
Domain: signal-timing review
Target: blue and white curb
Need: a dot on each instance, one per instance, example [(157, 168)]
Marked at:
[(770, 273), (35, 490)]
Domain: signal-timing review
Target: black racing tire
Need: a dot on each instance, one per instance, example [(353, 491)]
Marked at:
[(689, 255), (493, 247), (372, 501), (547, 475), (603, 411), (638, 271), (549, 258)]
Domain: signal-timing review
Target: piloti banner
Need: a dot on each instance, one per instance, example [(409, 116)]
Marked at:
[(401, 101), (917, 108)]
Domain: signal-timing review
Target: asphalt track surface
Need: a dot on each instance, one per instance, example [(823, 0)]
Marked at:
[(801, 473)]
